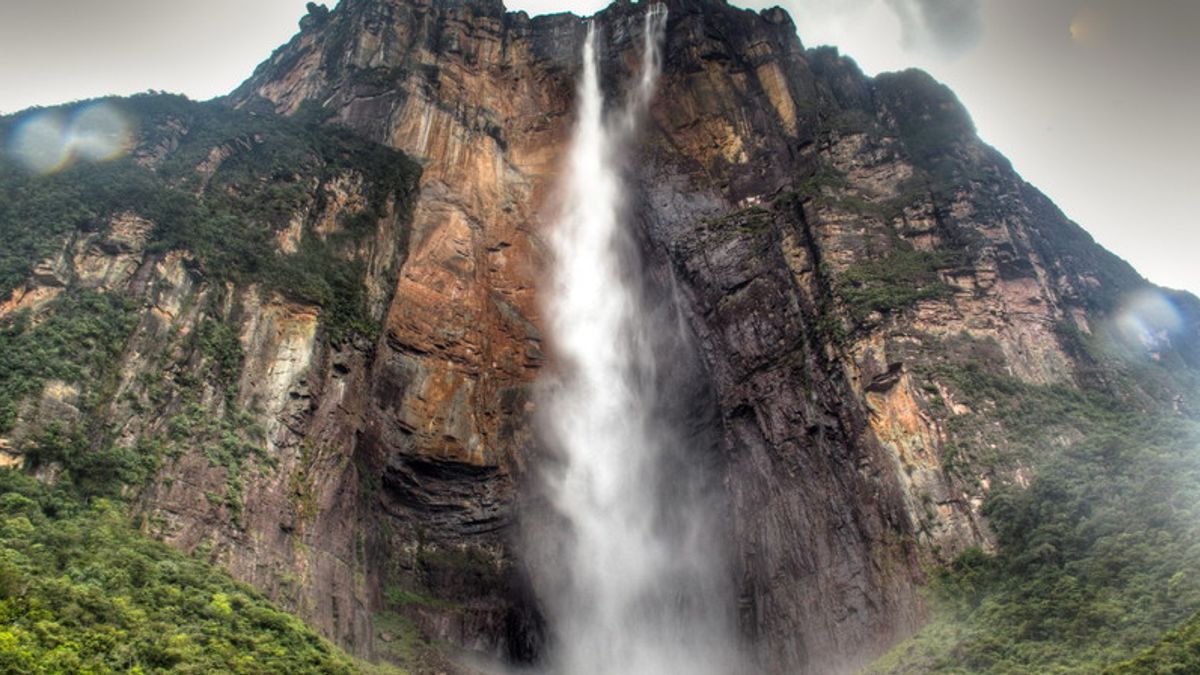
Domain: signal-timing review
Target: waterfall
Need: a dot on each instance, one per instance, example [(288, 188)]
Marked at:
[(639, 587)]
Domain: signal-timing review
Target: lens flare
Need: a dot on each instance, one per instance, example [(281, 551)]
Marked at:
[(1090, 26), (1147, 320), (98, 133), (40, 142), (49, 141)]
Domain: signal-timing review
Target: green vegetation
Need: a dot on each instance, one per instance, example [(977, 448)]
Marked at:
[(1016, 423), (1112, 362), (381, 78), (459, 576), (1178, 653), (219, 343), (851, 121), (226, 216), (82, 591), (92, 467), (828, 187), (76, 342), (400, 642), (402, 597), (929, 117), (751, 221), (301, 492), (320, 13), (899, 280), (227, 441), (1098, 555), (824, 178)]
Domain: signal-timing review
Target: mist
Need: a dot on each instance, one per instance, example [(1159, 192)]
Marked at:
[(632, 576)]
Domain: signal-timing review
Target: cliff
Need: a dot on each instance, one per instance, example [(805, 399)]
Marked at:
[(206, 303), (845, 251), (836, 240)]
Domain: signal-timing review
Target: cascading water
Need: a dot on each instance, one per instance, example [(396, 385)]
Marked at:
[(639, 587)]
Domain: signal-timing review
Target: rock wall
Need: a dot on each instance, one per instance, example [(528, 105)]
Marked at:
[(243, 392), (836, 246), (832, 239)]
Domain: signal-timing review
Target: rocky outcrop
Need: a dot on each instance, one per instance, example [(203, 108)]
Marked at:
[(832, 239), (235, 375), (334, 365)]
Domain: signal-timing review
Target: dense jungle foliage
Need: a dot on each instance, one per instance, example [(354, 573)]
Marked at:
[(1098, 556), (259, 172), (82, 591), (82, 588)]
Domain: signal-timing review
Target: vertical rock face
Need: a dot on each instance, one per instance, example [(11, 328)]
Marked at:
[(832, 240), (239, 263), (839, 247)]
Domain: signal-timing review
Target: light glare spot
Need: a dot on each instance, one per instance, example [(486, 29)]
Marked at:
[(46, 142), (39, 142), (1089, 27), (1147, 321), (99, 132)]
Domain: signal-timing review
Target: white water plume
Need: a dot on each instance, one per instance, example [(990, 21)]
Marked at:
[(638, 581)]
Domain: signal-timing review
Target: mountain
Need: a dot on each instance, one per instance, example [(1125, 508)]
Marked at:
[(318, 335), (154, 306)]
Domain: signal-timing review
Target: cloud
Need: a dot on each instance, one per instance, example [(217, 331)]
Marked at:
[(943, 28), (951, 27)]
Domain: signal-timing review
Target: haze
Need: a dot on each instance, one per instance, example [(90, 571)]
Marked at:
[(1092, 100)]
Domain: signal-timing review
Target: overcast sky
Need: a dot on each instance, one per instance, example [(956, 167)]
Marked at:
[(1094, 101)]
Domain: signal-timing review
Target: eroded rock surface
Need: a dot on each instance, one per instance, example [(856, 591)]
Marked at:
[(836, 246), (831, 239)]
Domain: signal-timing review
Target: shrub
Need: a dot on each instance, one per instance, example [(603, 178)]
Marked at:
[(82, 591), (899, 280), (1096, 556)]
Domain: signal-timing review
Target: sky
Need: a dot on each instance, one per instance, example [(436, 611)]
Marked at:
[(1094, 101)]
